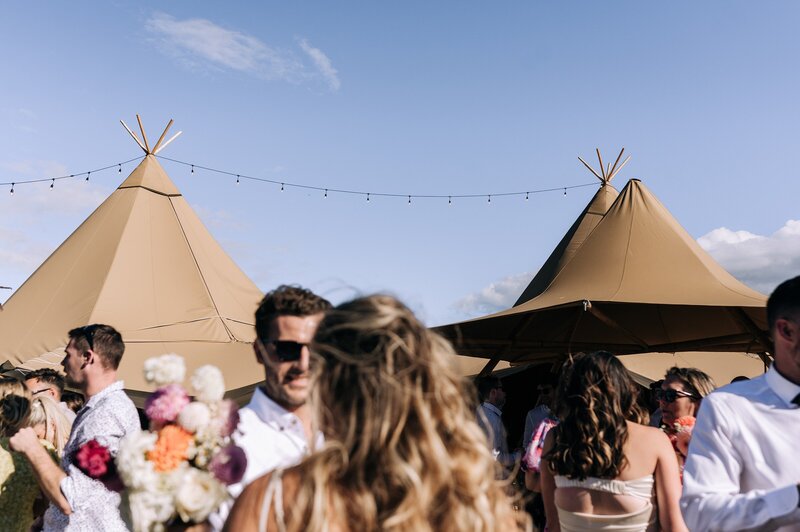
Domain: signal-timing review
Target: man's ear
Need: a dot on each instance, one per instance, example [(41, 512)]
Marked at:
[(785, 330), (257, 352)]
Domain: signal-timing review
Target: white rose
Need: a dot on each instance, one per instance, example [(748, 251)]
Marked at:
[(163, 370), (194, 417), (147, 510), (207, 384), (198, 494), (134, 469)]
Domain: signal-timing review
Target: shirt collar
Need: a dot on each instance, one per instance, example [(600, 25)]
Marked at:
[(783, 388), (492, 408), (111, 388), (269, 411)]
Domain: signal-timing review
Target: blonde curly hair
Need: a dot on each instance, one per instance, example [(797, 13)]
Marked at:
[(403, 450)]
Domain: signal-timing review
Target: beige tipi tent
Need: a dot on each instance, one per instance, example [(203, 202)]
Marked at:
[(144, 263), (638, 283)]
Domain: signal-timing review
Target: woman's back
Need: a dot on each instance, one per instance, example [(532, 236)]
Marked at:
[(605, 471)]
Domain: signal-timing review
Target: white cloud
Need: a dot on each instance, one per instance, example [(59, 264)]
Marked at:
[(761, 262), (202, 44), (497, 296), (323, 64)]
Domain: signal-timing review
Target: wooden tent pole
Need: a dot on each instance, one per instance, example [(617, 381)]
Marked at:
[(155, 148), (614, 167), (178, 134), (141, 128), (592, 170), (133, 135)]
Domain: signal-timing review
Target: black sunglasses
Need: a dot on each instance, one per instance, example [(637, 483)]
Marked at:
[(87, 332), (287, 350), (670, 396)]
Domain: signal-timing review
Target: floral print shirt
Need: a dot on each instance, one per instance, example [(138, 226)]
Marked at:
[(107, 417)]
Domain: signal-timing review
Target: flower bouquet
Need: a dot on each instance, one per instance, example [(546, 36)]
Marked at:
[(683, 434), (176, 472)]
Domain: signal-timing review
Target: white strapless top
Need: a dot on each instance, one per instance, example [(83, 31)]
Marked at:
[(638, 521)]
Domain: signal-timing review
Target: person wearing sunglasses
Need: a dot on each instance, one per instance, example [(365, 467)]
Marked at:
[(275, 426), (742, 472), (50, 382), (78, 502), (681, 393)]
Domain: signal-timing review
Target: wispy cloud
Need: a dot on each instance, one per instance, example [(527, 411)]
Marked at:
[(497, 296), (323, 64), (761, 262), (201, 44)]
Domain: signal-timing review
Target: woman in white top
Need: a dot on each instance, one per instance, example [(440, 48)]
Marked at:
[(403, 450), (602, 468)]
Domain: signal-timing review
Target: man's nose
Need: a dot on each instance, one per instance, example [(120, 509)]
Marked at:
[(305, 358)]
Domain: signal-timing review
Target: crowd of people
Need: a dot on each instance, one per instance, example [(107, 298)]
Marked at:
[(362, 423)]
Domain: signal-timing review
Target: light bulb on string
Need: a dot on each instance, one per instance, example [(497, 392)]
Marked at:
[(87, 175), (192, 168), (12, 188), (53, 182), (237, 179), (120, 169), (526, 196), (409, 200), (565, 191), (449, 200), (281, 187), (490, 199), (326, 192), (367, 196)]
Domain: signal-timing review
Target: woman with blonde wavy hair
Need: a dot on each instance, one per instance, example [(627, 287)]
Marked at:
[(403, 450), (18, 486), (49, 422), (604, 469)]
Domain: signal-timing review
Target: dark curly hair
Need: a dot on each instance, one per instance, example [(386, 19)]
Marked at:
[(287, 300), (595, 398)]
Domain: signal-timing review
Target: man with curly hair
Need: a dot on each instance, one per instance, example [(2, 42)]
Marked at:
[(275, 427)]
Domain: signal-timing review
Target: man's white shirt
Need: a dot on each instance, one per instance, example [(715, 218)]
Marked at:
[(272, 438), (743, 467)]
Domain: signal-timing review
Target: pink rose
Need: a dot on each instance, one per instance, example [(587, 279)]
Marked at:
[(93, 459), (164, 405)]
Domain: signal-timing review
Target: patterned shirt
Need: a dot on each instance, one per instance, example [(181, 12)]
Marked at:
[(107, 417)]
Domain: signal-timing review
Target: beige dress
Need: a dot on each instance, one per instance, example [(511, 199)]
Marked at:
[(641, 520)]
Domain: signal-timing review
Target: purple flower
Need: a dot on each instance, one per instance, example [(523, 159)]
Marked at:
[(229, 464), (164, 405), (227, 417)]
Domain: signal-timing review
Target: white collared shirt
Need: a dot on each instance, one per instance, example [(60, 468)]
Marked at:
[(272, 438), (742, 471)]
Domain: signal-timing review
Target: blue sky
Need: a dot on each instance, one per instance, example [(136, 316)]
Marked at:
[(408, 98)]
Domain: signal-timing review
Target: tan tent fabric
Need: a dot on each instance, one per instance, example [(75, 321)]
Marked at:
[(144, 263), (637, 284), (722, 367), (565, 250)]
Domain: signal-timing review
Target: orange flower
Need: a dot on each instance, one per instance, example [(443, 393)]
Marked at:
[(171, 448)]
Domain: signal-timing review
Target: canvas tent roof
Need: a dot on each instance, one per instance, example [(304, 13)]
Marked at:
[(637, 283), (144, 263)]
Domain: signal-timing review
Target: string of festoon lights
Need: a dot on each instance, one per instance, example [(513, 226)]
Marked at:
[(86, 175), (324, 191)]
